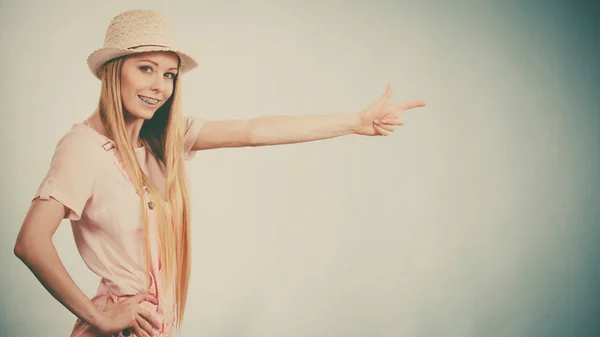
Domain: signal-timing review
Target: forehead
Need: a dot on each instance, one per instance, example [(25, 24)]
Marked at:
[(163, 58)]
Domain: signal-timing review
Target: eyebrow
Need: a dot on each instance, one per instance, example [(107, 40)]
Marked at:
[(156, 64)]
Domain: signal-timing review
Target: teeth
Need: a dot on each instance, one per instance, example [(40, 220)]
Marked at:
[(148, 100)]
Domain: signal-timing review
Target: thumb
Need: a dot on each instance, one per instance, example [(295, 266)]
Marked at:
[(379, 103)]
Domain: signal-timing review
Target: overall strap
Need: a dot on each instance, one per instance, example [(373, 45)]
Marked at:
[(109, 147)]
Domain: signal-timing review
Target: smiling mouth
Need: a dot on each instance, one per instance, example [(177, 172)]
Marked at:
[(148, 100)]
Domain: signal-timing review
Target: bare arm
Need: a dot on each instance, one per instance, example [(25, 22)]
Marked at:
[(276, 130), (222, 134), (273, 130), (35, 248), (379, 119)]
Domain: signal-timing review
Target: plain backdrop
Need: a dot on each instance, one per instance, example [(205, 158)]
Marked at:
[(478, 217)]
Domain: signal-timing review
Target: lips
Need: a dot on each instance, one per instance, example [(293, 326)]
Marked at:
[(148, 100)]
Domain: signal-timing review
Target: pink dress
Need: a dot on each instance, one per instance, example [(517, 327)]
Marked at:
[(86, 176)]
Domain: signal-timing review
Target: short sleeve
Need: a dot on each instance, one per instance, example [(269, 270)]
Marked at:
[(192, 126), (72, 172)]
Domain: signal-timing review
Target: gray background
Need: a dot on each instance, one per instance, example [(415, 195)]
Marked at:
[(479, 217)]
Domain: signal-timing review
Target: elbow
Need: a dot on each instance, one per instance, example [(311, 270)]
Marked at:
[(25, 247), (255, 135), (250, 142), (21, 248), (249, 136), (254, 140)]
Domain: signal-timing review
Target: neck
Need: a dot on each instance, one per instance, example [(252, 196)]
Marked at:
[(133, 126)]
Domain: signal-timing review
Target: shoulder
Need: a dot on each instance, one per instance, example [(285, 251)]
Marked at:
[(191, 129), (189, 122), (78, 143)]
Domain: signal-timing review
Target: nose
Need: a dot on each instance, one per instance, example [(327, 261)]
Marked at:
[(159, 83)]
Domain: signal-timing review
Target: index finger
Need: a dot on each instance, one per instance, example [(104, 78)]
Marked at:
[(410, 105), (144, 296)]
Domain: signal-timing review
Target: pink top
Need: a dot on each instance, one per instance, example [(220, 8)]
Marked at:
[(103, 207)]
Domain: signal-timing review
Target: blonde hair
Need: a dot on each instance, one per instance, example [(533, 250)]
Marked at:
[(163, 135)]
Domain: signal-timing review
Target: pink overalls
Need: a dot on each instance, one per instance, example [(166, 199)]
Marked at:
[(86, 176)]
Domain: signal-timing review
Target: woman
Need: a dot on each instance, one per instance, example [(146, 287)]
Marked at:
[(119, 177)]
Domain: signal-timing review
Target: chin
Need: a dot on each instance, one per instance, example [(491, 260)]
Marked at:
[(140, 114), (147, 115)]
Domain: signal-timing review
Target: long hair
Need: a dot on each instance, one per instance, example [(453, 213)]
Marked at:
[(163, 134)]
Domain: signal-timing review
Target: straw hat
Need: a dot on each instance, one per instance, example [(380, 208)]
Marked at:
[(137, 31)]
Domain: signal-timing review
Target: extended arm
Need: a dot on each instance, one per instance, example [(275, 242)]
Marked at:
[(273, 130), (378, 119), (276, 130)]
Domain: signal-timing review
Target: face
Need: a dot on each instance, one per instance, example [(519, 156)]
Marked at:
[(147, 82)]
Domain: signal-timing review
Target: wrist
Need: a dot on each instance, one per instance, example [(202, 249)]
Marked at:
[(98, 321), (354, 121)]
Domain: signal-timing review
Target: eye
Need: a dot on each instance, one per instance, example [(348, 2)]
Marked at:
[(170, 75), (146, 69)]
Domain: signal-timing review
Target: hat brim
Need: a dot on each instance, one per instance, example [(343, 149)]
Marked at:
[(99, 57)]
